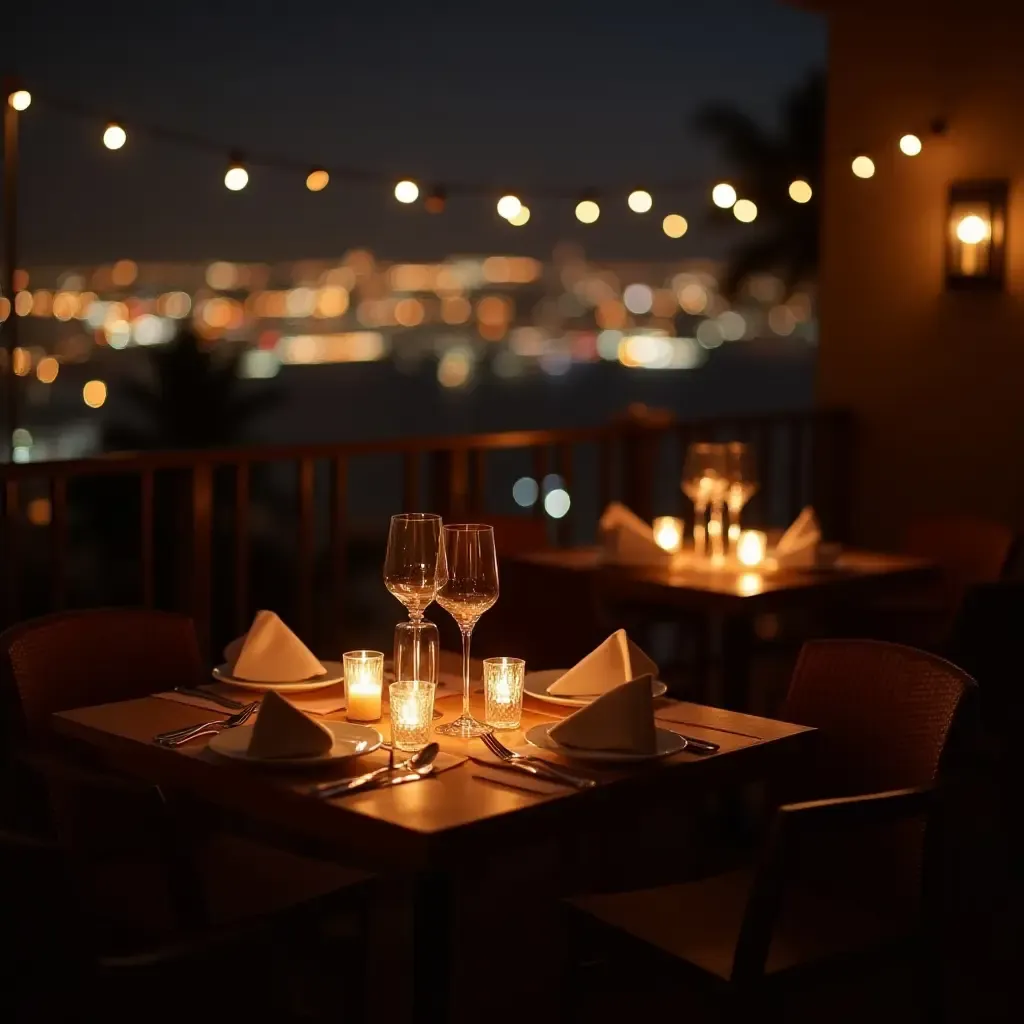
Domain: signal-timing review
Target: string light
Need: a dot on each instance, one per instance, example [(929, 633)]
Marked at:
[(800, 191), (674, 225), (435, 202), (744, 210), (587, 211), (509, 206), (236, 177), (910, 145), (20, 99), (521, 217), (863, 166), (723, 195), (316, 180), (640, 201), (114, 136), (407, 191)]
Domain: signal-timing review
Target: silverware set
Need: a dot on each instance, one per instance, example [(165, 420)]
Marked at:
[(214, 698), (178, 737), (413, 768), (536, 766)]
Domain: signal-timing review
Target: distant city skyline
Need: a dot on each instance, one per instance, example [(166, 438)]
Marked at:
[(574, 96)]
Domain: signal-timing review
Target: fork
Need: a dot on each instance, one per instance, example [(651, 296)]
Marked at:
[(176, 737), (215, 698), (496, 747)]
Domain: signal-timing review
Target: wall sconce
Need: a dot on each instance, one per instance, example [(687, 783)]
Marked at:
[(976, 235)]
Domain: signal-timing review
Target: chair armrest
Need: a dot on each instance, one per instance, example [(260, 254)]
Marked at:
[(853, 811)]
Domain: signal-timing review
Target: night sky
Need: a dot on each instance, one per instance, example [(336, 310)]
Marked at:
[(563, 94)]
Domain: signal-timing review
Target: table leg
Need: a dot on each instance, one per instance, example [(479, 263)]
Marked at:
[(433, 946), (737, 648)]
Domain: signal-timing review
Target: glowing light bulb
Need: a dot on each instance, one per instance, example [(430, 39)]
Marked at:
[(674, 225), (521, 217), (407, 191), (863, 167), (640, 201), (20, 100), (236, 178), (114, 136), (723, 195), (316, 181), (972, 229), (744, 210), (910, 145), (587, 211), (800, 191), (509, 207)]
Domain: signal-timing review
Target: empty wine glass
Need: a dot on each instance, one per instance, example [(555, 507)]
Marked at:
[(412, 560), (469, 586), (704, 482), (741, 470)]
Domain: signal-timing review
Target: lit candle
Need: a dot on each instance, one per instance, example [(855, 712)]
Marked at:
[(668, 533), (412, 713), (751, 547), (364, 680), (503, 691)]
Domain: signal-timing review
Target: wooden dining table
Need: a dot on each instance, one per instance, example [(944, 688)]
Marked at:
[(430, 839)]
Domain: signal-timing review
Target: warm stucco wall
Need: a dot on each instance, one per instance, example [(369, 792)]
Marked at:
[(936, 379)]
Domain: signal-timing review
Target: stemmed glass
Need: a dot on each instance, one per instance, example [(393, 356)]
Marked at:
[(469, 586), (704, 481), (742, 475)]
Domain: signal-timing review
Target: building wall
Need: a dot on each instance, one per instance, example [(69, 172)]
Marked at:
[(936, 379)]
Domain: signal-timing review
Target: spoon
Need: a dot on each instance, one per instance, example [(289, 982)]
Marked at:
[(420, 763)]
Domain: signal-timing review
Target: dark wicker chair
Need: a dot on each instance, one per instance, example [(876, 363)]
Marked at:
[(841, 869)]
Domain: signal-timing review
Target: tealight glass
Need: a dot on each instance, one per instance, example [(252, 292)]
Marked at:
[(364, 681), (751, 548), (668, 533), (503, 692), (412, 711)]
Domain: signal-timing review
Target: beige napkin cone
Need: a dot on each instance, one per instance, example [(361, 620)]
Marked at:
[(798, 546), (271, 653), (282, 730), (611, 664), (621, 720), (627, 539)]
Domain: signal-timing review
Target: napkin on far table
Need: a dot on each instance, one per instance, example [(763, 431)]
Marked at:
[(271, 653), (798, 546), (627, 540), (282, 730), (611, 664), (620, 720)]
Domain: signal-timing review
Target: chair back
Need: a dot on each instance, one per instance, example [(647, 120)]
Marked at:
[(970, 550), (80, 658)]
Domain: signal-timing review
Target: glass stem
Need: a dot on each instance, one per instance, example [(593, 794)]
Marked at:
[(699, 535), (467, 636)]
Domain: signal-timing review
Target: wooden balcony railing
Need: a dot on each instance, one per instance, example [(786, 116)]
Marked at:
[(176, 528)]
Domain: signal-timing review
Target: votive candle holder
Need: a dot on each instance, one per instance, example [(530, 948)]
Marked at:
[(364, 681), (503, 692), (412, 712)]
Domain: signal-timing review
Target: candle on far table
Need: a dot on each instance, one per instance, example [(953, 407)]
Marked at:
[(750, 549), (668, 533), (503, 692), (364, 680)]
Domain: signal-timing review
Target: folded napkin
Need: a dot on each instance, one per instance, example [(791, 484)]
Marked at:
[(627, 539), (621, 720), (798, 546), (613, 663), (282, 730), (271, 653)]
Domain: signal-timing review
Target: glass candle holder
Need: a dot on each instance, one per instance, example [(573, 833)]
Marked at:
[(412, 712), (364, 680), (668, 533), (503, 692), (751, 547)]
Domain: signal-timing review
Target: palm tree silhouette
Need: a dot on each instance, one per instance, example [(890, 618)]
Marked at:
[(784, 238)]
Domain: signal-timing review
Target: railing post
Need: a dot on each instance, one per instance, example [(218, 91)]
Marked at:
[(451, 483), (202, 523), (641, 429), (832, 456)]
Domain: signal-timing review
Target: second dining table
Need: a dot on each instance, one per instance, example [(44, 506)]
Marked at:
[(432, 838)]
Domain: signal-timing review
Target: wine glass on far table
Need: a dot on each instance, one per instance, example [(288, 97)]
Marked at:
[(704, 482), (468, 588), (742, 474), (413, 559)]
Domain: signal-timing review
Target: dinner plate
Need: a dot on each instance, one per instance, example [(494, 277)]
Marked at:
[(536, 685), (334, 675), (668, 742), (349, 741)]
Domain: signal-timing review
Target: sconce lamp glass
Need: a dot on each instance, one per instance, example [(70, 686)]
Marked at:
[(976, 235)]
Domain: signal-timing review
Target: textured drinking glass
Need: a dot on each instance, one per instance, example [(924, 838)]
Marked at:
[(412, 560), (412, 711), (704, 483), (417, 649), (741, 471), (503, 692), (364, 680)]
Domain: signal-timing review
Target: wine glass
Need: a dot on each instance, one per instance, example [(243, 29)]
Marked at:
[(741, 471), (413, 559), (704, 481), (469, 586)]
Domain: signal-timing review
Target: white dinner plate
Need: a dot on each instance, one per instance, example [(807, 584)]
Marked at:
[(334, 675), (349, 741), (536, 685), (668, 742)]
